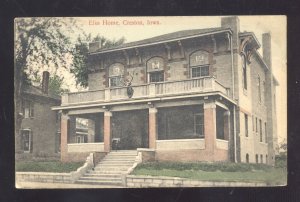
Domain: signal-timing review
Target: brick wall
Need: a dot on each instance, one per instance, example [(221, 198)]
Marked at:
[(191, 155), (44, 135)]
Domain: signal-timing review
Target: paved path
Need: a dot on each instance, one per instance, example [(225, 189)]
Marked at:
[(40, 185)]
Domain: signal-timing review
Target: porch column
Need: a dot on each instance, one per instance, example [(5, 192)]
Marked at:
[(64, 137), (226, 125), (210, 130), (152, 128), (107, 131)]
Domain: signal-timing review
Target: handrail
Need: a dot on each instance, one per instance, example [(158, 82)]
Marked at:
[(200, 84)]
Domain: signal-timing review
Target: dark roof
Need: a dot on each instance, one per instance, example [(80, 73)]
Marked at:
[(34, 90), (169, 36)]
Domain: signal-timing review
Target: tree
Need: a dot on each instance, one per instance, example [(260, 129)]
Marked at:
[(39, 43), (80, 55), (56, 86)]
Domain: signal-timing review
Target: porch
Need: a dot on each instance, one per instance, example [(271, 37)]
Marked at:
[(194, 130)]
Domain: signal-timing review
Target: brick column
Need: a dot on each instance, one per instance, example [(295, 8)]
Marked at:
[(107, 131), (152, 128), (226, 125), (210, 130), (64, 137)]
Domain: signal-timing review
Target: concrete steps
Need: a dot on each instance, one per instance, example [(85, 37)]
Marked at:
[(109, 171)]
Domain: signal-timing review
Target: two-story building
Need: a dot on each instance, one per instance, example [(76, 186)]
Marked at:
[(40, 126), (192, 95)]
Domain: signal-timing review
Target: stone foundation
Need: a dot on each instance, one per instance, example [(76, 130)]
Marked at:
[(159, 181)]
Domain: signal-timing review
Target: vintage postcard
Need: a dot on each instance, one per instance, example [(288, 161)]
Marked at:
[(137, 102)]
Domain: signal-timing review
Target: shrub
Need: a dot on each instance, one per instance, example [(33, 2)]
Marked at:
[(204, 166)]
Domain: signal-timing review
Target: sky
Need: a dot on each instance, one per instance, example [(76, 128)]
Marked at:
[(138, 28)]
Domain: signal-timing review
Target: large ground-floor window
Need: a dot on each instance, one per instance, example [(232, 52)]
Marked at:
[(180, 122)]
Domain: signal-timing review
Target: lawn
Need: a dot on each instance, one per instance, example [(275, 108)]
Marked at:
[(238, 172), (46, 166)]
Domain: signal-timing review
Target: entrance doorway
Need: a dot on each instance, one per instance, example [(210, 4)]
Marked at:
[(131, 129)]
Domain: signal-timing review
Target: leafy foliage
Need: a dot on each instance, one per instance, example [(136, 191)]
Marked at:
[(55, 86), (40, 44), (80, 55), (225, 167), (47, 166)]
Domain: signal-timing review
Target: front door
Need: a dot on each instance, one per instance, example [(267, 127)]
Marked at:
[(131, 128)]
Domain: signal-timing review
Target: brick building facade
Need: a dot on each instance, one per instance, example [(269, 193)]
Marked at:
[(192, 95), (40, 127)]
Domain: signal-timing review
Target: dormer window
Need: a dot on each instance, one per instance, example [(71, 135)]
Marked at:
[(199, 64), (155, 69), (116, 73)]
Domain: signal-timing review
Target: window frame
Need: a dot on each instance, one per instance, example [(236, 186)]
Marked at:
[(28, 108), (246, 124), (259, 88), (29, 140), (201, 136), (115, 77), (200, 70), (244, 72), (260, 131), (161, 73)]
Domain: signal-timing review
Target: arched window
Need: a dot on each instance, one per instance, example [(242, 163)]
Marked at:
[(244, 71), (259, 88), (155, 69), (256, 158), (247, 158), (199, 64), (116, 72)]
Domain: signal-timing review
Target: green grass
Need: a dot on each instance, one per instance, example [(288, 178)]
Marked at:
[(47, 166), (237, 172)]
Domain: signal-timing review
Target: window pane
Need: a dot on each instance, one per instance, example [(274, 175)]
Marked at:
[(156, 76), (115, 81), (204, 71), (26, 140)]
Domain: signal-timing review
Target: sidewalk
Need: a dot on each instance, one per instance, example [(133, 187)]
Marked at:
[(40, 185)]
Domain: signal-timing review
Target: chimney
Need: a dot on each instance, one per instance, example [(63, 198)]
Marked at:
[(94, 46), (45, 82), (266, 46), (233, 23)]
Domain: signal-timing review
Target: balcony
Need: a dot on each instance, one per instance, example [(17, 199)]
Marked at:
[(151, 90)]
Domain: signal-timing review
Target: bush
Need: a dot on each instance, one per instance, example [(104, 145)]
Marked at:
[(46, 166), (281, 161), (204, 166)]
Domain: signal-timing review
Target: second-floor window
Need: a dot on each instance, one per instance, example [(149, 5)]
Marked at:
[(260, 131), (259, 88), (200, 71), (156, 76), (246, 125), (199, 64), (116, 72), (244, 71), (155, 69), (28, 108), (266, 134)]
